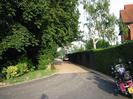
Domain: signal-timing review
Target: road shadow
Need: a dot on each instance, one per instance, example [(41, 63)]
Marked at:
[(44, 96), (105, 83)]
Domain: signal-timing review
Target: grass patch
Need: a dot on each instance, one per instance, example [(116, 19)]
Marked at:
[(30, 76)]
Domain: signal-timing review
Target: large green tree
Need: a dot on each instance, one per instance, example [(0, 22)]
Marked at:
[(100, 23), (37, 24)]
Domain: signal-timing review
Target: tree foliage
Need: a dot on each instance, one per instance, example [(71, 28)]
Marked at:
[(124, 30), (100, 23), (39, 24), (100, 44), (89, 44), (103, 44)]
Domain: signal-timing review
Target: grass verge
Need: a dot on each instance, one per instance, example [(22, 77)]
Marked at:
[(30, 76)]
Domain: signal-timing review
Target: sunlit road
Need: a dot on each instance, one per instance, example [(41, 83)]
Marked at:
[(64, 86)]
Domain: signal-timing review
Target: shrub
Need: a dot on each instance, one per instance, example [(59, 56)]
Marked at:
[(89, 44), (46, 57), (14, 71), (22, 68), (26, 63), (43, 61), (10, 72), (102, 44), (127, 41)]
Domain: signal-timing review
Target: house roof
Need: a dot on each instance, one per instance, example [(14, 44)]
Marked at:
[(128, 6), (127, 14)]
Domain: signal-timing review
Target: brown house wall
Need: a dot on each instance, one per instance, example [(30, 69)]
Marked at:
[(131, 31), (127, 17)]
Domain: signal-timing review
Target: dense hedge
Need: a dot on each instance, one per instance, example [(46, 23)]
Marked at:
[(102, 59)]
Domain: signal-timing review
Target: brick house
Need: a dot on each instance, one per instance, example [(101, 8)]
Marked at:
[(126, 16)]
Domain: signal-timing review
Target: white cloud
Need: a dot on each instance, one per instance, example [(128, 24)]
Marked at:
[(117, 5)]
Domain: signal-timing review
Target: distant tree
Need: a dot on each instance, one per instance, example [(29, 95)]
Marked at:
[(89, 44), (102, 44), (100, 23)]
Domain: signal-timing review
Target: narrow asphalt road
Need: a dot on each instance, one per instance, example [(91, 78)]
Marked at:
[(90, 85)]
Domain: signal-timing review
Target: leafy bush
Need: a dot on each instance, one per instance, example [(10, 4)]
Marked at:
[(22, 68), (102, 44), (23, 60), (43, 61), (14, 71), (89, 44), (46, 57), (10, 72), (127, 41)]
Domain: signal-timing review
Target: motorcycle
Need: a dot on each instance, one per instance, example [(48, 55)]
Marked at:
[(123, 79)]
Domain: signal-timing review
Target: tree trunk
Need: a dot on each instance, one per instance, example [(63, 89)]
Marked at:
[(94, 43), (94, 46)]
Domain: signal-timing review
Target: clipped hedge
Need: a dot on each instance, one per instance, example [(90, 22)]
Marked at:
[(102, 59)]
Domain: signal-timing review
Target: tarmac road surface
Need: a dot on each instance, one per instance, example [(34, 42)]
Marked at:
[(89, 85)]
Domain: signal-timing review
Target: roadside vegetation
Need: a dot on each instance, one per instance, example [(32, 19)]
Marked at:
[(102, 47), (103, 59), (31, 32), (29, 76)]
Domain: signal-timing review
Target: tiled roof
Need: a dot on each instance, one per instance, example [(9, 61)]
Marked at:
[(129, 6), (127, 14)]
